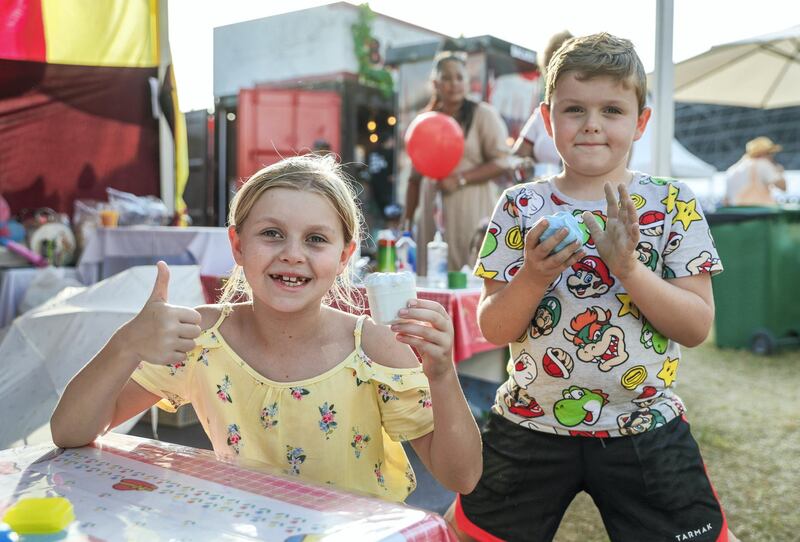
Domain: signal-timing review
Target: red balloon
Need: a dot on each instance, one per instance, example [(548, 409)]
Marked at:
[(435, 144)]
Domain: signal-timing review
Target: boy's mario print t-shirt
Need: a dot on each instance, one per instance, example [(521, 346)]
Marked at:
[(589, 363)]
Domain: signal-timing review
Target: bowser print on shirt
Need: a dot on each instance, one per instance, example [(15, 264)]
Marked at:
[(598, 341)]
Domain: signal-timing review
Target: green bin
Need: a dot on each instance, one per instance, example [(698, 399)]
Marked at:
[(757, 297)]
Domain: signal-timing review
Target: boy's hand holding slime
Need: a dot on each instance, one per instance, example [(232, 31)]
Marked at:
[(617, 244), (560, 221), (161, 333), (543, 263), (427, 327)]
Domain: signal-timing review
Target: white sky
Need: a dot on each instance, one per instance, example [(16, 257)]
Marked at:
[(698, 25)]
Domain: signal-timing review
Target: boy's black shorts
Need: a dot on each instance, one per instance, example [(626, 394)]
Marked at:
[(648, 487)]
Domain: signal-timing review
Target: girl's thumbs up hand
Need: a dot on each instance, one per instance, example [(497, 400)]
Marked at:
[(161, 333)]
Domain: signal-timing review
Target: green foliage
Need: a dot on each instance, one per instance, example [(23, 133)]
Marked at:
[(363, 42)]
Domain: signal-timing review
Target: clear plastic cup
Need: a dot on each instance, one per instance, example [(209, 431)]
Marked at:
[(388, 293)]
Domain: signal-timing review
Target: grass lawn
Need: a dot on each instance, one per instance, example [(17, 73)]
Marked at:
[(745, 414)]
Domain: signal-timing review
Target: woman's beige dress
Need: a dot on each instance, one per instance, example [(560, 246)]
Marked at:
[(464, 208)]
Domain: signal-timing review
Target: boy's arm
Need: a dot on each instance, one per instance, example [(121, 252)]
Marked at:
[(681, 309), (506, 308)]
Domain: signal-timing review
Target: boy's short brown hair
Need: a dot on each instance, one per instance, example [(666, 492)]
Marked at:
[(597, 55)]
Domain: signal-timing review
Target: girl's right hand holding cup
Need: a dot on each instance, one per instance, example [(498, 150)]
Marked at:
[(161, 333), (427, 327)]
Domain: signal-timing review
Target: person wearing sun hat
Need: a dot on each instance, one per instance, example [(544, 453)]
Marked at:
[(750, 179)]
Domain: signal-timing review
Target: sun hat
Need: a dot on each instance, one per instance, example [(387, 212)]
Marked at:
[(761, 146)]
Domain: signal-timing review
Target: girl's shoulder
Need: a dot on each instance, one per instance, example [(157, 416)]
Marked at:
[(209, 315), (381, 346), (212, 315)]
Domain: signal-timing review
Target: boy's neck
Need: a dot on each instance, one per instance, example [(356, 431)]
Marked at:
[(589, 187)]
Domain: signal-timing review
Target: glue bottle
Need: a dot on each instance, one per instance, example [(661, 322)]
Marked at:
[(406, 250), (437, 262)]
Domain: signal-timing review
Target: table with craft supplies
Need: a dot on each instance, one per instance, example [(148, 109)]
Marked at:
[(110, 250), (128, 488)]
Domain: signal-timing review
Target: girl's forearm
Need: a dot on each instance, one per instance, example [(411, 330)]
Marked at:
[(455, 450), (87, 406)]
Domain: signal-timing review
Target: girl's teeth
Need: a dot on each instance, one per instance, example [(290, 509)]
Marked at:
[(291, 281)]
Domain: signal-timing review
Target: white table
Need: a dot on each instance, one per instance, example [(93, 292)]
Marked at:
[(14, 282), (110, 250), (128, 488)]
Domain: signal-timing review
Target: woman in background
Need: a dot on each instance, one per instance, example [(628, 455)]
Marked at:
[(469, 192)]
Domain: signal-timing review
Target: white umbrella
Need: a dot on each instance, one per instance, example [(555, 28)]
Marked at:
[(761, 72), (45, 347)]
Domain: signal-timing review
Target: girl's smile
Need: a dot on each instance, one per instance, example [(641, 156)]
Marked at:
[(291, 248)]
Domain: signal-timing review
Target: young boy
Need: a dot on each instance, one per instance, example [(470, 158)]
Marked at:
[(594, 328)]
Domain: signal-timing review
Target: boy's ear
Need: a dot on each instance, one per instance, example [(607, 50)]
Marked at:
[(347, 253), (544, 109), (641, 122), (236, 244)]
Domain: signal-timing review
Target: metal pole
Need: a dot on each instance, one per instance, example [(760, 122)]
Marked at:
[(222, 163), (166, 143), (663, 103)]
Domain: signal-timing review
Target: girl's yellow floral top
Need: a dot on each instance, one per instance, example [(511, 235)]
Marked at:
[(342, 427)]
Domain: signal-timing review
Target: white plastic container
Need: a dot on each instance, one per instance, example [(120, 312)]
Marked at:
[(406, 250), (388, 293), (437, 262)]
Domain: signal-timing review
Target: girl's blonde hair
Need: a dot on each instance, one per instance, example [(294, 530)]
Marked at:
[(313, 173)]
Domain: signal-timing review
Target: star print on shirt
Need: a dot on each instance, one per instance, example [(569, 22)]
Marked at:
[(672, 196), (628, 306), (482, 272), (687, 213), (668, 371)]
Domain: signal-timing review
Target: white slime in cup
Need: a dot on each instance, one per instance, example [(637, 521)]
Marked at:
[(388, 293)]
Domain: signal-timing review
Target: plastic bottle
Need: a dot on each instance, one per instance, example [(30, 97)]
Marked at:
[(406, 253), (437, 262), (387, 254)]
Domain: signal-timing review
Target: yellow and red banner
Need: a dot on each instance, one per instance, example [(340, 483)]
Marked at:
[(76, 113), (84, 32)]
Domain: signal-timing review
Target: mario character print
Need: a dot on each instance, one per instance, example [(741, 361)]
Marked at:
[(518, 402), (598, 341), (590, 278)]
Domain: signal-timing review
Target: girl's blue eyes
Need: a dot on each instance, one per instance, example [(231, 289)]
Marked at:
[(274, 234)]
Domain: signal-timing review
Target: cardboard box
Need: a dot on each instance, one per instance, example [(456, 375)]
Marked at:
[(183, 417)]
